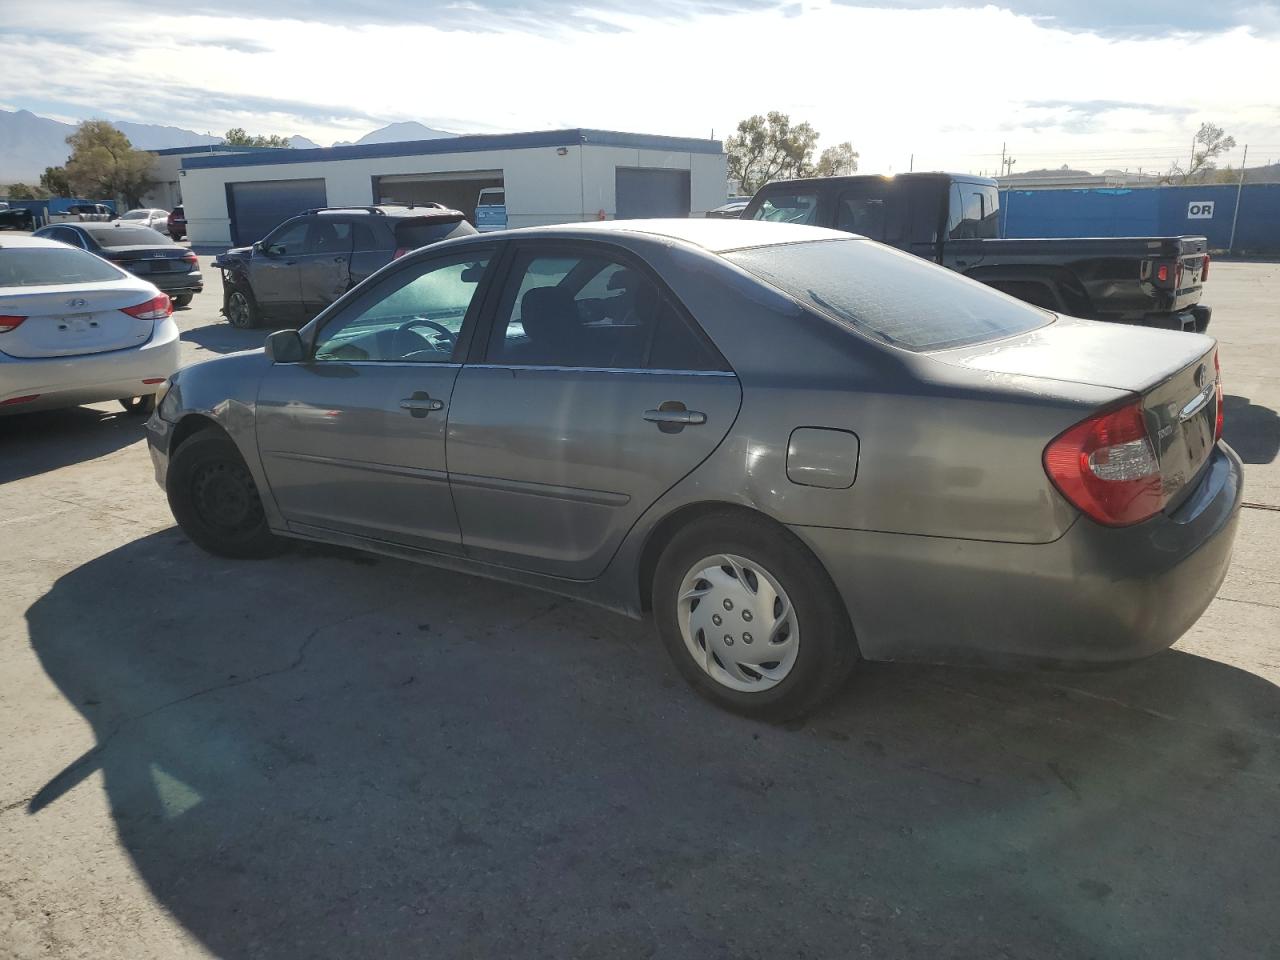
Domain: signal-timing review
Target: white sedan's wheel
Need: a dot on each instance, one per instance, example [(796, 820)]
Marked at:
[(738, 623)]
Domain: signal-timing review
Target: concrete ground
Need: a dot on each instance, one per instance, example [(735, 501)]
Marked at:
[(332, 755)]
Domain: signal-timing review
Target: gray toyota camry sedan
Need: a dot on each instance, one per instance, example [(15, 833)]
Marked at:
[(793, 447)]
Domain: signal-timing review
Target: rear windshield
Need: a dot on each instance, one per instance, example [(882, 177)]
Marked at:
[(892, 296), (788, 208), (130, 237), (136, 215), (412, 234), (47, 266)]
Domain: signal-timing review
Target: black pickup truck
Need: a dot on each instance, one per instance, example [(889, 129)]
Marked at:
[(954, 220)]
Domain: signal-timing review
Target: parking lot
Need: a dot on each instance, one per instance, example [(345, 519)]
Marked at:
[(330, 754)]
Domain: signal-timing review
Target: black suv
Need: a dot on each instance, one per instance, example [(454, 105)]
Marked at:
[(309, 261)]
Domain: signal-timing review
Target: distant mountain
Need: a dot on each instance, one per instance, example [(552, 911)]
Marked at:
[(29, 143), (299, 142), (396, 132)]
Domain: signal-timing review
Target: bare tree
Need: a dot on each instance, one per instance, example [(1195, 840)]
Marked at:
[(1211, 142)]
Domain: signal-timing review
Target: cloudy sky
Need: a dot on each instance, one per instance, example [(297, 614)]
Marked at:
[(1109, 84)]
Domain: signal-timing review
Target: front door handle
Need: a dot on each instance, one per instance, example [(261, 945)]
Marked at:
[(687, 417), (420, 404)]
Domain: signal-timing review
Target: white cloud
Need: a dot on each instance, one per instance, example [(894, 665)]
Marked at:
[(949, 85)]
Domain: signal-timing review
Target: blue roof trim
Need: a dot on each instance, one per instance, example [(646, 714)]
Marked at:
[(210, 148), (467, 144)]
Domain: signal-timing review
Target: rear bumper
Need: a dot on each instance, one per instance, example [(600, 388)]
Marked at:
[(192, 282), (1094, 596), (90, 378)]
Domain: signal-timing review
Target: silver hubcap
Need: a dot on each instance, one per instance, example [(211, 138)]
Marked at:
[(738, 623), (238, 308)]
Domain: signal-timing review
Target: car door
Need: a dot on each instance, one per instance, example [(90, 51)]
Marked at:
[(324, 269), (352, 439), (591, 395), (273, 269)]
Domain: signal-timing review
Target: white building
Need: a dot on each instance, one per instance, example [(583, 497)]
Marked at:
[(548, 177), (166, 171)]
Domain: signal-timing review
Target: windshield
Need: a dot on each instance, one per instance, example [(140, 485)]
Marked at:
[(49, 266), (131, 237), (892, 296), (788, 208), (136, 215)]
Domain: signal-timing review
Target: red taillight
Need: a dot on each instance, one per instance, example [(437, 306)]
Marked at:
[(1217, 386), (191, 258), (1107, 467), (157, 308), (1204, 269), (1163, 273), (10, 323), (400, 252), (27, 399)]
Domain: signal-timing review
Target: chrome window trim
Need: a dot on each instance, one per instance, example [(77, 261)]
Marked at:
[(562, 369)]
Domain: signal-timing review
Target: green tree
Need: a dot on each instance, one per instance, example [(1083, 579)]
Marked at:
[(770, 148), (54, 179), (237, 137), (104, 165), (1210, 143), (22, 191), (838, 161)]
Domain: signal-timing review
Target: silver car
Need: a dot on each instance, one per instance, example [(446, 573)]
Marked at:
[(791, 446)]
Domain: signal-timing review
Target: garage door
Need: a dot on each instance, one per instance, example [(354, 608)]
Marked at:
[(652, 193), (457, 190), (257, 208)]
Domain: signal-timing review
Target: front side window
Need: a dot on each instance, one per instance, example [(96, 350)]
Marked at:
[(788, 208), (332, 237), (289, 241), (890, 296), (592, 310), (415, 316)]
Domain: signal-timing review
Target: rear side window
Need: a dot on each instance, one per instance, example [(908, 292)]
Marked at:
[(130, 237), (788, 208), (411, 234), (364, 238), (891, 296), (38, 267)]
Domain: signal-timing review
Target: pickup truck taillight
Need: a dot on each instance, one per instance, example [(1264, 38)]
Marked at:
[(1217, 387), (1204, 269), (1106, 466)]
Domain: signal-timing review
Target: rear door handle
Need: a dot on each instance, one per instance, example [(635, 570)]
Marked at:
[(420, 404), (687, 417)]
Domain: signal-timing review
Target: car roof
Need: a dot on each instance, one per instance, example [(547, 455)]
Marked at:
[(712, 235), (28, 242), (390, 210)]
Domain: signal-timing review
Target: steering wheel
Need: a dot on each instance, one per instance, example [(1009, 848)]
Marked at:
[(440, 328)]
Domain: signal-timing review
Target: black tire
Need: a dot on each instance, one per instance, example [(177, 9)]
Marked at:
[(183, 299), (139, 406), (215, 500), (827, 649), (242, 309)]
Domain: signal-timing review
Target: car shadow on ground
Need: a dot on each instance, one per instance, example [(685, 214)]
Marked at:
[(1252, 429), (35, 443), (222, 337), (332, 755)]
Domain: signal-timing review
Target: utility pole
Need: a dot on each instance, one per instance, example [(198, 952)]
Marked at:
[(1003, 146), (912, 165), (1239, 190), (1192, 162)]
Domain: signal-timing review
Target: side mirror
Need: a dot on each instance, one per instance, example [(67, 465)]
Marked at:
[(284, 346), (259, 247)]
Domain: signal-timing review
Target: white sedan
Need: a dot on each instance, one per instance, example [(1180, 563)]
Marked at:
[(75, 329), (155, 219)]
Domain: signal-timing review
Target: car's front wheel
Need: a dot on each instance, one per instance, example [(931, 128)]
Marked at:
[(215, 500), (751, 618), (242, 308)]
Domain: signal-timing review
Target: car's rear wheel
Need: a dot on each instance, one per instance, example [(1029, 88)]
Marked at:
[(139, 406), (751, 618), (215, 500), (183, 299), (242, 308)]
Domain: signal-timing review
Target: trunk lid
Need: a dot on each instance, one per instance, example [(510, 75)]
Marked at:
[(1173, 373), (147, 261), (64, 323)]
